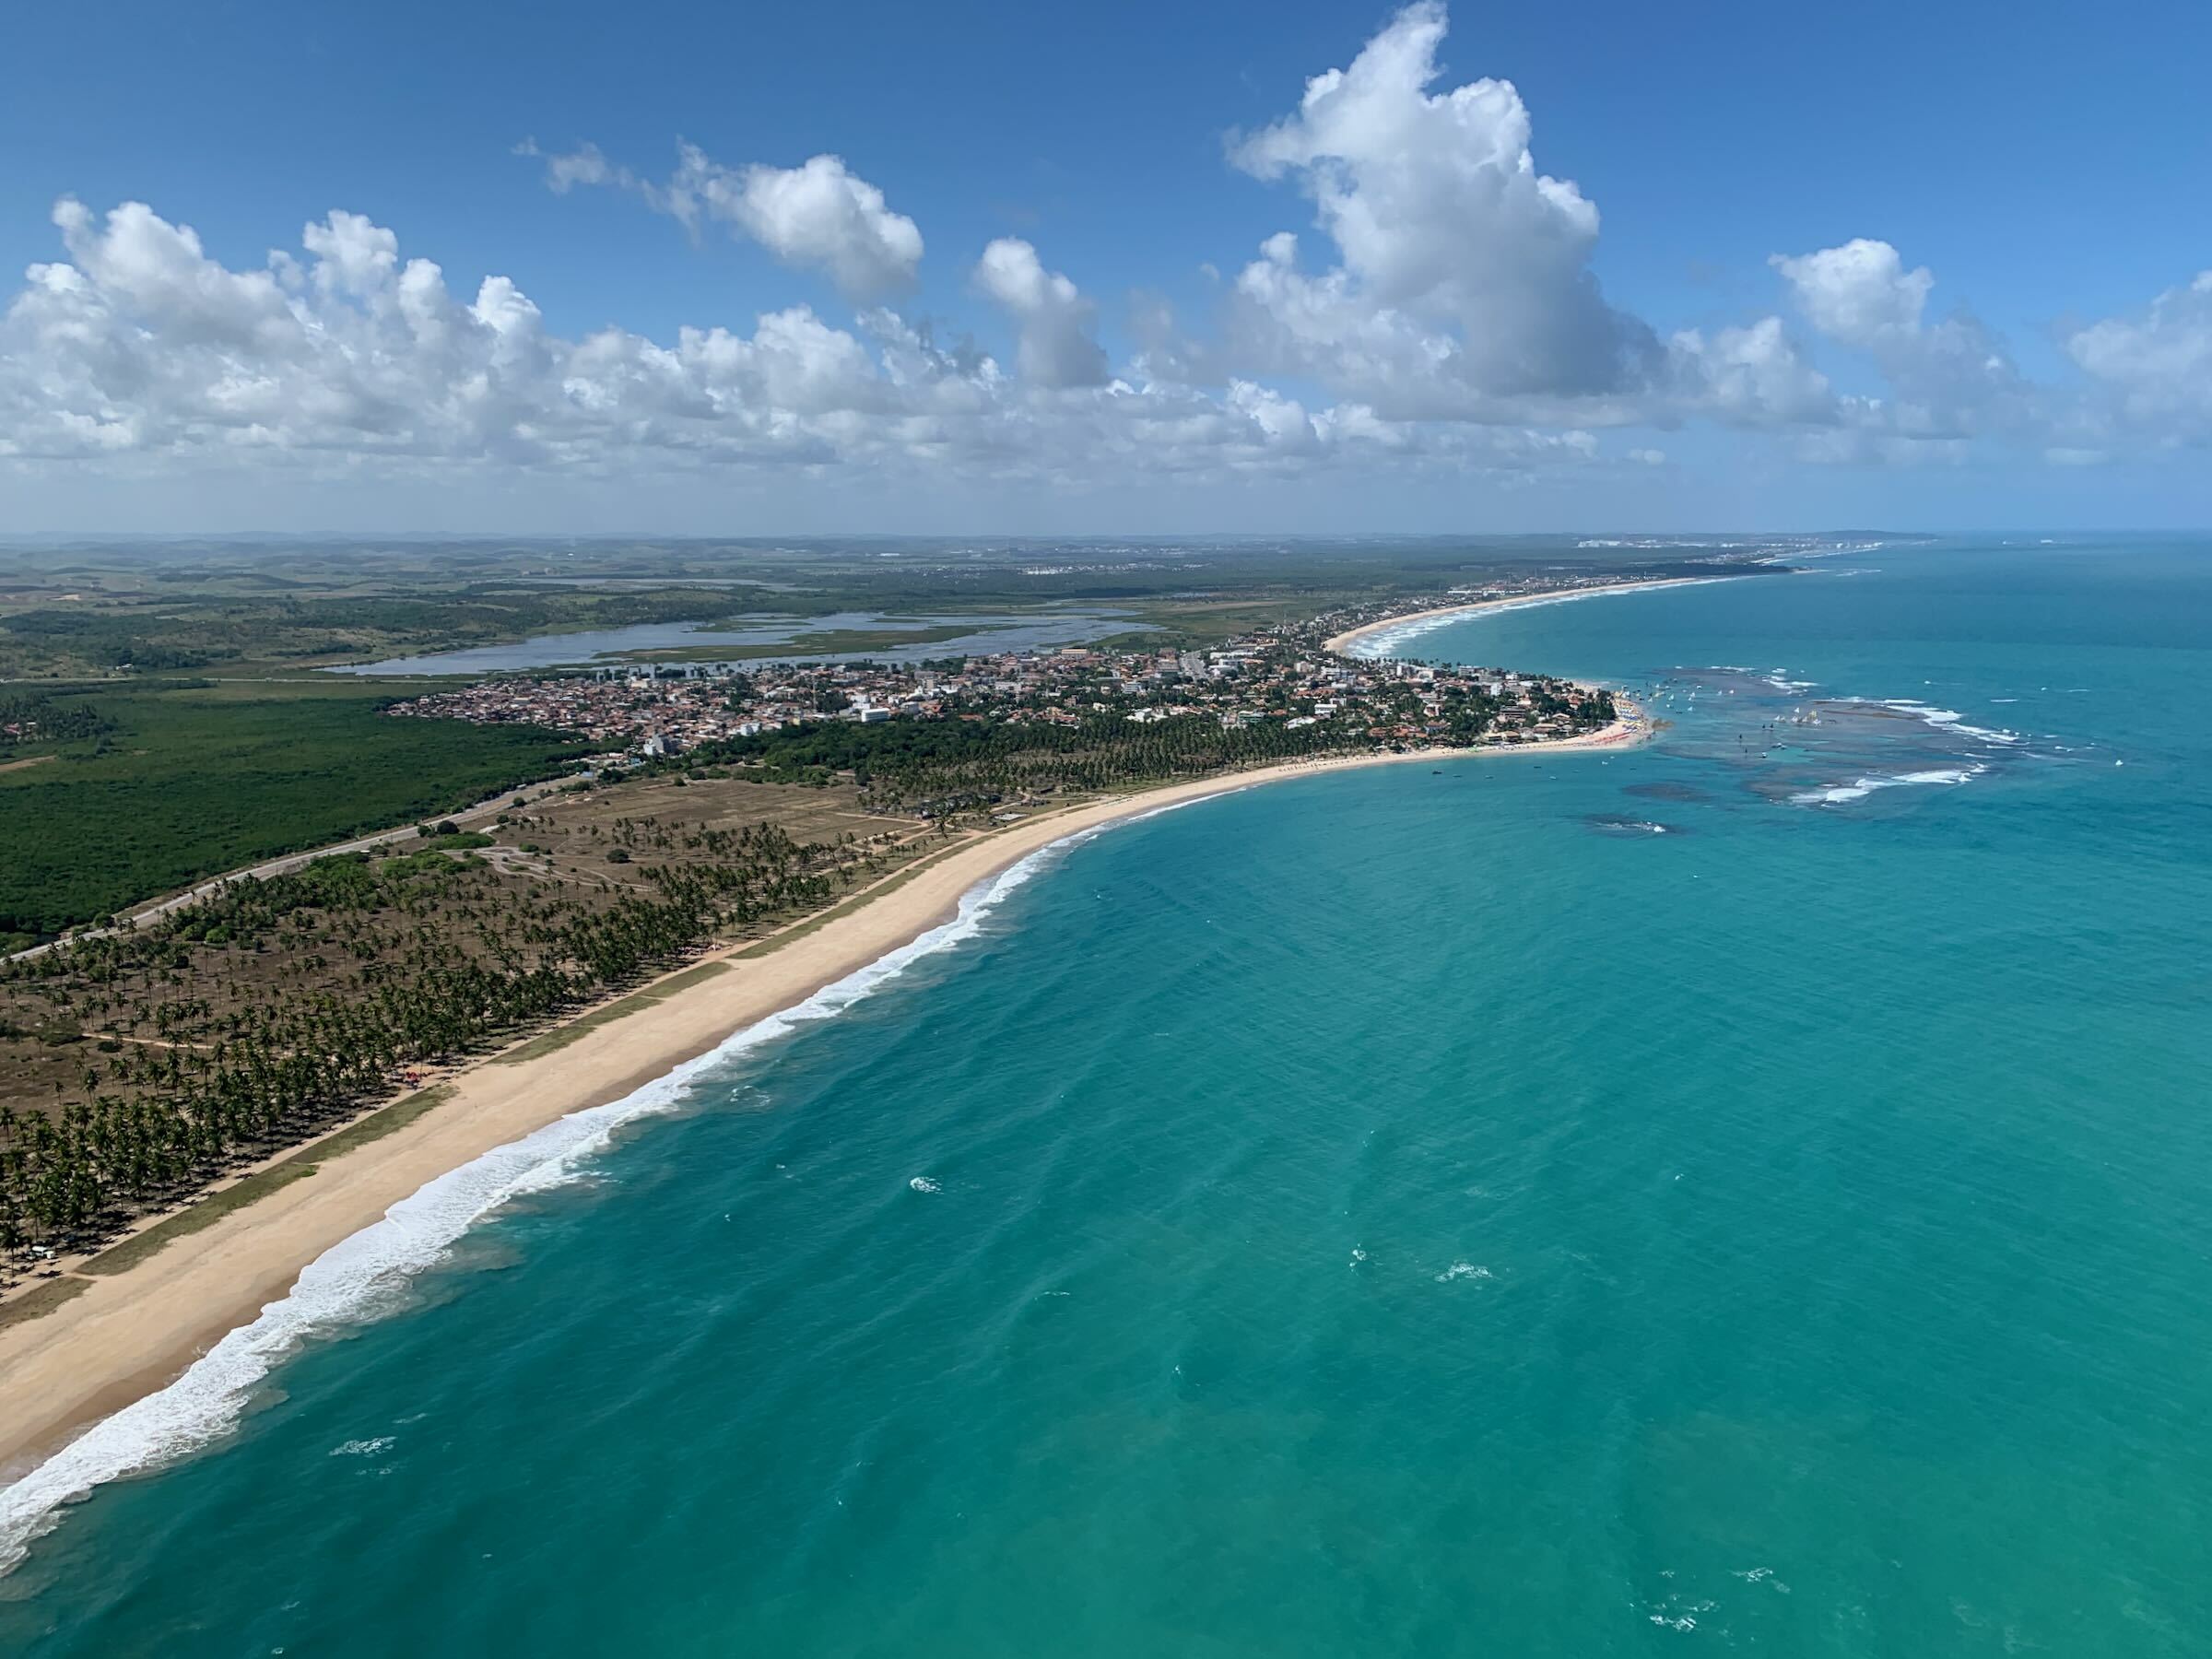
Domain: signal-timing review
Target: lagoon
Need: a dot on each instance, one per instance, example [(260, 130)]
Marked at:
[(664, 642)]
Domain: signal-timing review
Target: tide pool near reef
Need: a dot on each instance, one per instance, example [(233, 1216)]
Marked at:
[(1582, 1204)]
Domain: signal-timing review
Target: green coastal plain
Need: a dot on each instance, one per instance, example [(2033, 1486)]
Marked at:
[(166, 714), (393, 895), (1738, 1190)]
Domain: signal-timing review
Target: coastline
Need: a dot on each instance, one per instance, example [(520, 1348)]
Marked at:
[(1437, 614), (124, 1338)]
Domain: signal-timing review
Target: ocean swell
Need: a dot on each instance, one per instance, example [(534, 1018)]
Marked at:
[(358, 1277)]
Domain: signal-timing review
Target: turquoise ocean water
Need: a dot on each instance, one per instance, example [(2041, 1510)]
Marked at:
[(1748, 1193)]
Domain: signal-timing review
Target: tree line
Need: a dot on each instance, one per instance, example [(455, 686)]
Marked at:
[(197, 1059)]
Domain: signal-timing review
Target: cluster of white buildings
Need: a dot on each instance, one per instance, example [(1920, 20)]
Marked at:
[(1282, 674)]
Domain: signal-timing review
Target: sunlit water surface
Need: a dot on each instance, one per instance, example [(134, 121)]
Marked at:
[(1599, 1204)]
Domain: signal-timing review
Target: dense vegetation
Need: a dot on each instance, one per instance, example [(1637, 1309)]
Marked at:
[(939, 766), (243, 1024), (152, 784), (176, 783), (36, 718), (201, 633), (274, 1009)]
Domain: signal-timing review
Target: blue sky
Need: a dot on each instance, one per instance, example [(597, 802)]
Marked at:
[(1991, 315)]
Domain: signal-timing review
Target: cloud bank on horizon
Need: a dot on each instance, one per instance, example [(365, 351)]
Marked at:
[(1439, 315)]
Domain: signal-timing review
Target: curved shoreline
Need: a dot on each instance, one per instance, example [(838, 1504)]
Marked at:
[(127, 1337), (1438, 614)]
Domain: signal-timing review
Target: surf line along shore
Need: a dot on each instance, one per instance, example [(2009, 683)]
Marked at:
[(123, 1337), (1343, 642)]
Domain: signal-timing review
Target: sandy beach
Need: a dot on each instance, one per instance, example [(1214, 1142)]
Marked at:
[(128, 1334), (1351, 636)]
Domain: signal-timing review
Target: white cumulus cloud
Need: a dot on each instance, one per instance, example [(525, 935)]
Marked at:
[(819, 214), (1859, 293), (1949, 380), (1440, 318), (1460, 267), (1052, 320), (2157, 364), (347, 355), (1751, 376)]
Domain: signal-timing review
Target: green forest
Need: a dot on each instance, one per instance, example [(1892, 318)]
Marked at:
[(180, 782), (276, 1009), (27, 720), (943, 766)]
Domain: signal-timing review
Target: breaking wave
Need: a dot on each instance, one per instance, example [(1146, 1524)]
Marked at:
[(1837, 794), (1943, 720), (361, 1275)]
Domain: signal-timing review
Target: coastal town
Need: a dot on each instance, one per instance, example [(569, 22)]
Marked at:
[(337, 997), (1284, 677)]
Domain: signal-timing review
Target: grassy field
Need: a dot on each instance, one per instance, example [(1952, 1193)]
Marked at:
[(189, 779)]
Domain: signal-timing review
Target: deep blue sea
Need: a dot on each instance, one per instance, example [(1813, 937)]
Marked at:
[(1753, 1194)]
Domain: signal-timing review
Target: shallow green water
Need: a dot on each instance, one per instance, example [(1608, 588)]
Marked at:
[(1416, 1211)]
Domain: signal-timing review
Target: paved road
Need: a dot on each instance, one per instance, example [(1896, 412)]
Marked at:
[(293, 861)]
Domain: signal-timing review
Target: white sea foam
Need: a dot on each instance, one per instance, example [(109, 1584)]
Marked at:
[(1462, 1270), (1836, 794), (1943, 720), (922, 1183), (361, 1275)]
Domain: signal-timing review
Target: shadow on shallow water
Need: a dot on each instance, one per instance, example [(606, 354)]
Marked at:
[(1665, 791), (1786, 745), (1621, 823)]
